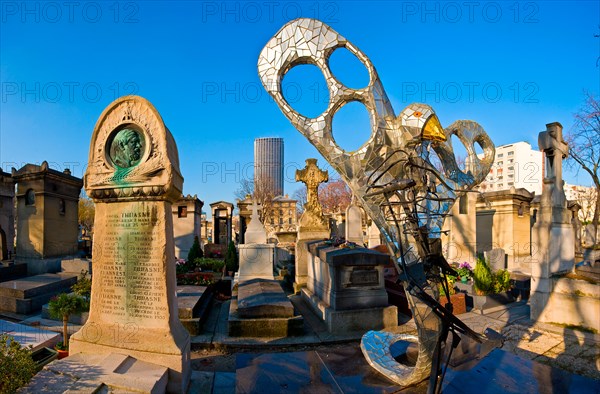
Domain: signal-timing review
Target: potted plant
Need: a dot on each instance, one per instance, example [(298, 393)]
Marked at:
[(465, 271), (62, 306), (491, 288), (82, 288)]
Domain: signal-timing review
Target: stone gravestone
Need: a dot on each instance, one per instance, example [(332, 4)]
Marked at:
[(256, 256), (354, 232), (313, 226), (133, 177), (374, 237), (256, 232), (496, 258), (552, 232)]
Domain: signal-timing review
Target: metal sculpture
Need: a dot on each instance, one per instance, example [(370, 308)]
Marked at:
[(392, 173)]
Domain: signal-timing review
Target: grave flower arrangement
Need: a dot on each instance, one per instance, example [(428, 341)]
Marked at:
[(465, 271), (181, 266)]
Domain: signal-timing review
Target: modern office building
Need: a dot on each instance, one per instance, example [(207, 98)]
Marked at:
[(268, 164), (516, 165)]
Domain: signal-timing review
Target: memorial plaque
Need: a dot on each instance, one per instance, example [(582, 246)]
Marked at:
[(360, 278), (133, 177)]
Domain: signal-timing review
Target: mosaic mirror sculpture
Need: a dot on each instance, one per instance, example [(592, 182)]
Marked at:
[(394, 177)]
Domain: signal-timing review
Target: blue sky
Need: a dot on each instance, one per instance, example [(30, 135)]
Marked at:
[(512, 67)]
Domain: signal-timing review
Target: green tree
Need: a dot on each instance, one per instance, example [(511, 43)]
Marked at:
[(62, 306), (16, 365), (483, 278), (195, 251), (231, 258)]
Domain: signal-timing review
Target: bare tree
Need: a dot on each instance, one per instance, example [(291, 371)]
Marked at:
[(300, 196), (584, 151), (586, 198), (335, 196), (87, 210), (261, 193), (246, 189)]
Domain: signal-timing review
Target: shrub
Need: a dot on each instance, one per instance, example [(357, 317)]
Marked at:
[(231, 258), (502, 281), (83, 288), (483, 278), (181, 266), (195, 251), (208, 264), (16, 365), (488, 282), (451, 280)]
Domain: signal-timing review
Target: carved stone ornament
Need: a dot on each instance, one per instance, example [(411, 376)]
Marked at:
[(312, 176), (132, 155)]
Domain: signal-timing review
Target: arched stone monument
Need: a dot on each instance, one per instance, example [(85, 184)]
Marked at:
[(133, 177)]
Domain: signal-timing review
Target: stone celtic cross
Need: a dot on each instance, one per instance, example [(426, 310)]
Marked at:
[(312, 176)]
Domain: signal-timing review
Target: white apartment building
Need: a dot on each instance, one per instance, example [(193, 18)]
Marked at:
[(516, 165), (585, 196)]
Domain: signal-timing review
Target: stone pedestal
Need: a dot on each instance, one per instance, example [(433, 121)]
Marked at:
[(133, 307), (552, 233), (313, 226), (256, 261), (303, 257)]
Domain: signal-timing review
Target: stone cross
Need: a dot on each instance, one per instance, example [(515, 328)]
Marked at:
[(256, 232), (312, 176), (555, 150), (255, 208)]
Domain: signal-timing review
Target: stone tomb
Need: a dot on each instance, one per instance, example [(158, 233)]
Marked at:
[(47, 216), (28, 295), (346, 288), (262, 309), (187, 214), (133, 177)]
